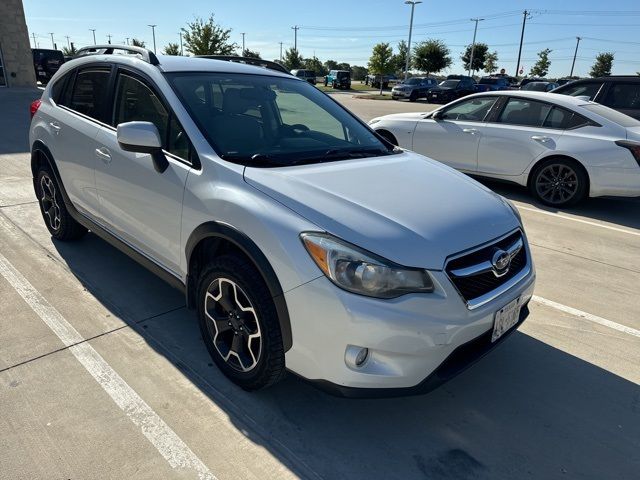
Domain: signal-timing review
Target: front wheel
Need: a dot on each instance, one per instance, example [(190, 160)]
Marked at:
[(559, 183), (239, 323), (413, 97)]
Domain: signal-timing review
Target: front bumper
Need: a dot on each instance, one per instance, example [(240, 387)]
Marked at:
[(401, 93), (415, 341)]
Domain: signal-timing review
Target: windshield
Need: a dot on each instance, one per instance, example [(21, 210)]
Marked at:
[(265, 121), (450, 83), (413, 81), (612, 115)]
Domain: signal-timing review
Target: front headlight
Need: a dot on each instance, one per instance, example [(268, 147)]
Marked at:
[(361, 272)]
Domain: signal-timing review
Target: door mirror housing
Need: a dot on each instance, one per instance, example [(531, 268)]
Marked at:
[(143, 137), (437, 115)]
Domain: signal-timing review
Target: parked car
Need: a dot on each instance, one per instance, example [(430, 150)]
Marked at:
[(495, 83), (338, 79), (308, 75), (46, 63), (540, 86), (451, 89), (413, 88), (526, 81), (564, 81), (620, 92), (563, 148), (290, 226), (374, 80)]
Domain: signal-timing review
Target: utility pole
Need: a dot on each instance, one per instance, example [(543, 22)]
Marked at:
[(243, 34), (35, 45), (94, 35), (295, 37), (180, 33), (153, 30), (53, 43), (406, 66), (280, 50), (109, 38), (127, 40), (473, 45), (524, 22), (68, 44), (574, 56)]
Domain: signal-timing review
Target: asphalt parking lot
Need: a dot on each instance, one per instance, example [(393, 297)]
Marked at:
[(103, 373)]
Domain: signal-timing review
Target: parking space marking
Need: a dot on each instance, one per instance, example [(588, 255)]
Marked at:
[(161, 436), (579, 220), (586, 316)]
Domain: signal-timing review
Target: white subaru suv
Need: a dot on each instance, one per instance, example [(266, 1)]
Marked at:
[(305, 241)]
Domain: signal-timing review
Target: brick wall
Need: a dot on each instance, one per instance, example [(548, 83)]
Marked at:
[(14, 43)]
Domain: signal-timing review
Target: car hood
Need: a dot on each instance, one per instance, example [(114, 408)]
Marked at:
[(406, 208)]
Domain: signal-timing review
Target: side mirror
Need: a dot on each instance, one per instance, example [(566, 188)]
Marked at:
[(143, 137), (437, 115)]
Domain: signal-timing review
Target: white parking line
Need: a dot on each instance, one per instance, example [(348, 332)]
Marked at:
[(579, 220), (586, 316), (166, 441)]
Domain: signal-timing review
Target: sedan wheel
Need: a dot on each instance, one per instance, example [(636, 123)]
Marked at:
[(559, 183)]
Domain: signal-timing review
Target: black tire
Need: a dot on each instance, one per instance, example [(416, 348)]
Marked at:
[(267, 362), (61, 225), (559, 182), (388, 136), (413, 97)]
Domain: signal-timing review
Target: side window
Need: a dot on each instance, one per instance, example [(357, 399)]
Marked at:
[(178, 143), (135, 101), (475, 109), (557, 118), (90, 93), (58, 89), (589, 89), (519, 111), (623, 95)]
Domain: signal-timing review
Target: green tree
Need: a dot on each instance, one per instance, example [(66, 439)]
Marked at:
[(602, 66), (137, 43), (171, 49), (331, 65), (316, 65), (491, 62), (292, 59), (251, 54), (207, 38), (381, 61), (541, 67), (343, 66), (400, 58), (358, 72), (70, 51), (479, 57), (431, 56)]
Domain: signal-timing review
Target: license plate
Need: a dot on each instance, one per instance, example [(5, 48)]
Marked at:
[(505, 319)]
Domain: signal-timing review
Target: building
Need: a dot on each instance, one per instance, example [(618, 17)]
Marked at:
[(16, 61)]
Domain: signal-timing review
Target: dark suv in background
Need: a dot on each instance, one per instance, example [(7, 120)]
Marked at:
[(454, 87), (620, 92), (46, 62), (338, 79), (308, 75), (495, 83)]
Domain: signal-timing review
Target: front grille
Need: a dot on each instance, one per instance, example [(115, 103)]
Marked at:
[(475, 286)]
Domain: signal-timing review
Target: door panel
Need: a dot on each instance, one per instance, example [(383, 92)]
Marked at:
[(454, 143)]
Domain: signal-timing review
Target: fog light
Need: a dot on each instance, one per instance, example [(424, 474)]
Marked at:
[(356, 356)]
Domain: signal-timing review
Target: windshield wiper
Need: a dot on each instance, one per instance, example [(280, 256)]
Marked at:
[(255, 160), (342, 154)]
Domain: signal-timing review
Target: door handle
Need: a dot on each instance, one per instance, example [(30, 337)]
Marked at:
[(56, 126), (472, 131), (540, 138), (103, 154)]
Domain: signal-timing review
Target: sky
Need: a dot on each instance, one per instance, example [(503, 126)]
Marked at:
[(346, 30)]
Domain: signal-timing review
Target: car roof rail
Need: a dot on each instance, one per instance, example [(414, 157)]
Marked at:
[(146, 55), (258, 62)]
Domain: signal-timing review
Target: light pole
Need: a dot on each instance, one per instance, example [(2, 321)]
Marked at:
[(94, 35), (127, 40), (68, 44), (109, 38), (574, 56), (280, 50), (413, 6), (295, 37), (180, 33), (53, 43), (153, 30), (243, 34), (35, 44), (524, 23), (473, 45)]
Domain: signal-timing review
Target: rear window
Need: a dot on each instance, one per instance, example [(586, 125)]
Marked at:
[(519, 111), (612, 115)]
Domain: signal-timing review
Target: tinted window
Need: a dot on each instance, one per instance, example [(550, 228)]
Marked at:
[(136, 102), (561, 118), (589, 89), (612, 115), (474, 109), (57, 90), (519, 111), (623, 95), (450, 83), (274, 121), (90, 93)]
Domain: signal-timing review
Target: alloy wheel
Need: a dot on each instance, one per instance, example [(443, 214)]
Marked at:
[(49, 203), (557, 183), (233, 324)]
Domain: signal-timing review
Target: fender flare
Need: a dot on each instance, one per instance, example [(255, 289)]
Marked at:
[(40, 147), (252, 251)]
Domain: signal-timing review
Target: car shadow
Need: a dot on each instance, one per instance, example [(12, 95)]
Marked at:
[(621, 211), (527, 410)]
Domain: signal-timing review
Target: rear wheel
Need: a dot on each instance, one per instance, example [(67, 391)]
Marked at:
[(59, 222), (239, 323), (559, 182)]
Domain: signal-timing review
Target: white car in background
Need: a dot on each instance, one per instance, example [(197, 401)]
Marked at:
[(563, 148)]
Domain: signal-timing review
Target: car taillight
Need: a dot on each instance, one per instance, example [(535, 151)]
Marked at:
[(35, 105), (633, 147)]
